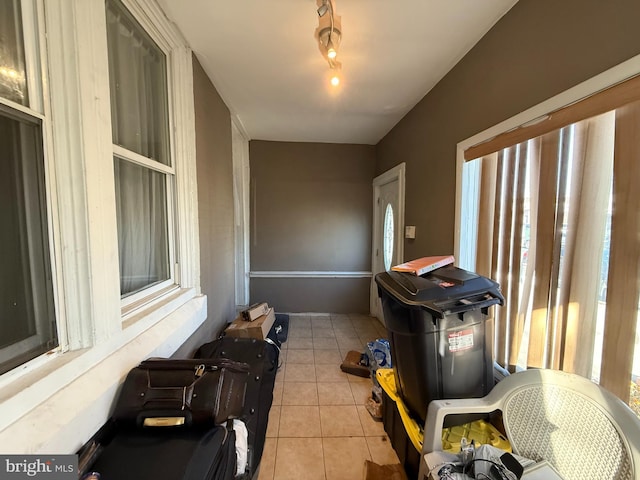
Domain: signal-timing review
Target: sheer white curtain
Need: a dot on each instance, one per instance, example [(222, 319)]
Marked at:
[(139, 106)]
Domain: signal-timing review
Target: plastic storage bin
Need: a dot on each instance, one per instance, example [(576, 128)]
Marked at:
[(406, 435), (440, 334)]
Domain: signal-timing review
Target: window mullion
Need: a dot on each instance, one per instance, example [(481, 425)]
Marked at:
[(142, 160)]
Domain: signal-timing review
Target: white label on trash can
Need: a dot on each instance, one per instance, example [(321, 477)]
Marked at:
[(461, 340)]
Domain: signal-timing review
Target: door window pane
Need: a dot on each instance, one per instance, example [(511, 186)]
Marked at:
[(27, 315), (388, 237), (138, 85), (141, 199), (13, 85)]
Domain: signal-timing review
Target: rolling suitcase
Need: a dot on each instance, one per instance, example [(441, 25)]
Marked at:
[(262, 357), (173, 420), (169, 453)]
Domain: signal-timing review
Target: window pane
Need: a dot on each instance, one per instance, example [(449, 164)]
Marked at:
[(13, 85), (388, 237), (27, 315), (138, 84), (141, 200)]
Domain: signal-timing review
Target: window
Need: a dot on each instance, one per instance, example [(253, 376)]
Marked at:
[(142, 158), (388, 238), (557, 227), (27, 312), (72, 182)]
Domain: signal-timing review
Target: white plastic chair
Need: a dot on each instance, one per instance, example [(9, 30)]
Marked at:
[(584, 431)]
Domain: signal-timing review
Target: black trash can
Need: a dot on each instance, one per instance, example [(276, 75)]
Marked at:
[(440, 334)]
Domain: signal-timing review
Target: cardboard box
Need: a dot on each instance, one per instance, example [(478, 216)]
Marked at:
[(254, 311), (259, 328)]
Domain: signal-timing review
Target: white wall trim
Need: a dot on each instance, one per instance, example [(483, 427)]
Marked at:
[(309, 274), (606, 79)]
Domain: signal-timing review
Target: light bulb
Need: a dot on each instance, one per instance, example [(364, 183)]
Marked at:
[(335, 80), (331, 53)]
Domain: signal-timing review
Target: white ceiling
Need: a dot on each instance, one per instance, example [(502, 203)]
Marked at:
[(263, 59)]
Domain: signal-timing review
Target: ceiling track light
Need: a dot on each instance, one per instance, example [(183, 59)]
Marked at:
[(323, 9), (329, 35)]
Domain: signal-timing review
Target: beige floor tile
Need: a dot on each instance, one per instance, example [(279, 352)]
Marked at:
[(370, 425), (299, 421), (273, 424), (382, 330), (361, 391), (282, 358), (281, 372), (344, 457), (325, 343), (340, 319), (364, 339), (327, 357), (381, 450), (300, 343), (340, 421), (299, 372), (300, 333), (320, 320), (335, 394), (360, 321), (299, 321), (299, 393), (330, 373), (299, 458), (323, 333), (346, 332), (277, 393), (299, 355), (318, 425), (346, 344), (359, 379), (366, 330), (268, 460)]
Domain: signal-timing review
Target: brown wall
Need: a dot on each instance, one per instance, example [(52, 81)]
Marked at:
[(538, 49), (311, 210), (215, 208)]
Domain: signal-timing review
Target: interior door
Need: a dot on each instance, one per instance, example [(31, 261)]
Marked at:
[(388, 226)]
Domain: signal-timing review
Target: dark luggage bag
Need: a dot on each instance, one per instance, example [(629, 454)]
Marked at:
[(262, 357), (167, 453), (161, 392), (167, 421)]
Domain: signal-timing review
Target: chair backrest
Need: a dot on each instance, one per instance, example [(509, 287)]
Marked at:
[(573, 423)]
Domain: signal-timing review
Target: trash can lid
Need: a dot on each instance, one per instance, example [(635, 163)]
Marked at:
[(443, 291)]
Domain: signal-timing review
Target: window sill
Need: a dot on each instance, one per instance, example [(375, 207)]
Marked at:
[(59, 406)]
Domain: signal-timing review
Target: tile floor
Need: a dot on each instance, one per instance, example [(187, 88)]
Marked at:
[(318, 425)]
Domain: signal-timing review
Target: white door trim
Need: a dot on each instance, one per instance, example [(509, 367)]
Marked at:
[(391, 175)]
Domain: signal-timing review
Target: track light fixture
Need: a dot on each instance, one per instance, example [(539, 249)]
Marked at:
[(329, 36), (322, 9)]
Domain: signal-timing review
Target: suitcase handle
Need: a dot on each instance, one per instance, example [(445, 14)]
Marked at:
[(168, 397)]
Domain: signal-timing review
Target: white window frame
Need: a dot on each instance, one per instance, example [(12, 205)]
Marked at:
[(99, 344), (165, 43)]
